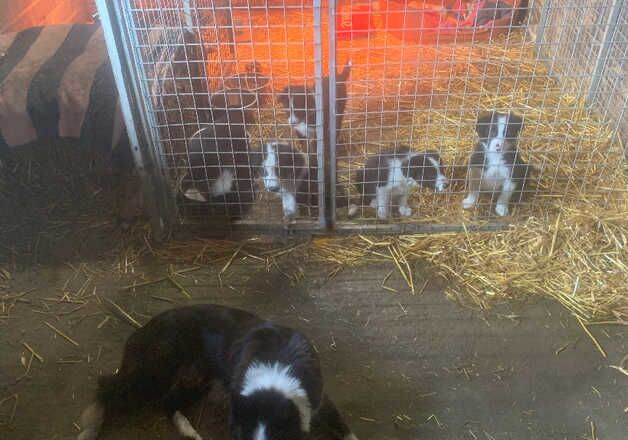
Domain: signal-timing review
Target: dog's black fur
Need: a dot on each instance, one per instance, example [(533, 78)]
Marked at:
[(174, 359)]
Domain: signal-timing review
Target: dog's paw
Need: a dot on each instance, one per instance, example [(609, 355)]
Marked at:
[(469, 202), (501, 209), (382, 213), (405, 211)]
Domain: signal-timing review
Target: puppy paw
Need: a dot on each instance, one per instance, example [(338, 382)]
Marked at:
[(405, 211), (469, 202), (501, 209), (382, 213)]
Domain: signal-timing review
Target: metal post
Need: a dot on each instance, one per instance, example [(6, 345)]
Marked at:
[(156, 194), (540, 35), (602, 58), (320, 117), (332, 111)]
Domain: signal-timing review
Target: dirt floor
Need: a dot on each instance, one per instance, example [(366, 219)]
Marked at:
[(398, 366)]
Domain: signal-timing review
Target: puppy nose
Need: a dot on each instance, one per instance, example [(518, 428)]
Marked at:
[(273, 188)]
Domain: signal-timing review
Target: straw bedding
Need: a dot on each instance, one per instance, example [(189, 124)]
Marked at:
[(568, 240)]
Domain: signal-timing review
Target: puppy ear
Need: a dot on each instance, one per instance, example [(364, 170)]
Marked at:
[(284, 96), (483, 124), (515, 124)]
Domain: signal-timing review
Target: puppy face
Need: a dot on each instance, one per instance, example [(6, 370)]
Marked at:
[(427, 171), (265, 415), (498, 132), (300, 104)]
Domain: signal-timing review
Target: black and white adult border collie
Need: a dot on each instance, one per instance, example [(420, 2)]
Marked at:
[(495, 166), (388, 177), (271, 372)]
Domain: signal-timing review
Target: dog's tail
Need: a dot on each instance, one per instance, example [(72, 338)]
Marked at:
[(115, 393), (344, 75)]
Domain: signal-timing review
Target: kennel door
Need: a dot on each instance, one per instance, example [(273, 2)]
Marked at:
[(209, 77)]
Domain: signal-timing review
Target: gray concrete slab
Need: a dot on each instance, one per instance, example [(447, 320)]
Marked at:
[(398, 366)]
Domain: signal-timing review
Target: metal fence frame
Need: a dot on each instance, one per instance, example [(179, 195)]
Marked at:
[(146, 146)]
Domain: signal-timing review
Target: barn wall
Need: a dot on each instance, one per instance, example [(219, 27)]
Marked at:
[(585, 44), (16, 15)]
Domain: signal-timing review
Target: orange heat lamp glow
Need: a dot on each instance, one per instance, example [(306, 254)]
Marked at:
[(20, 14)]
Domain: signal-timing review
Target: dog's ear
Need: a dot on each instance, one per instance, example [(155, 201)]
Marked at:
[(515, 124), (483, 124), (284, 97)]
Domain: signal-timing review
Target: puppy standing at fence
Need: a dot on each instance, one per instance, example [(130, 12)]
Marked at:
[(495, 166), (271, 372)]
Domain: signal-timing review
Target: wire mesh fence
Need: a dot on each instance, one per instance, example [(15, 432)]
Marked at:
[(382, 114)]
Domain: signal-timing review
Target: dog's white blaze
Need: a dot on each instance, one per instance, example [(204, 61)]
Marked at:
[(260, 432), (278, 377), (222, 185), (500, 136), (271, 180), (184, 426), (441, 180), (351, 436), (305, 130), (300, 126), (289, 203)]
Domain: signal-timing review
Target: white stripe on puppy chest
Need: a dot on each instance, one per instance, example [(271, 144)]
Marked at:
[(271, 177), (260, 432), (441, 180), (501, 127), (222, 185), (278, 377)]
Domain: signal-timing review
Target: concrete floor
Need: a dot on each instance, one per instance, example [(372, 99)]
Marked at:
[(398, 366)]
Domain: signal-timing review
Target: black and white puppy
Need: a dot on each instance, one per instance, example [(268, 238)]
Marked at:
[(271, 372), (220, 168), (286, 171), (388, 177), (217, 159), (299, 103), (495, 166), (293, 176)]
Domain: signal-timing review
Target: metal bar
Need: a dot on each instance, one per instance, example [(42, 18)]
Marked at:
[(320, 116), (129, 96), (602, 58), (307, 228), (540, 35), (332, 112)]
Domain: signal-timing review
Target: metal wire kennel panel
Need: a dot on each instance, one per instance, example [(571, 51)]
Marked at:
[(424, 70), (208, 80), (421, 73)]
